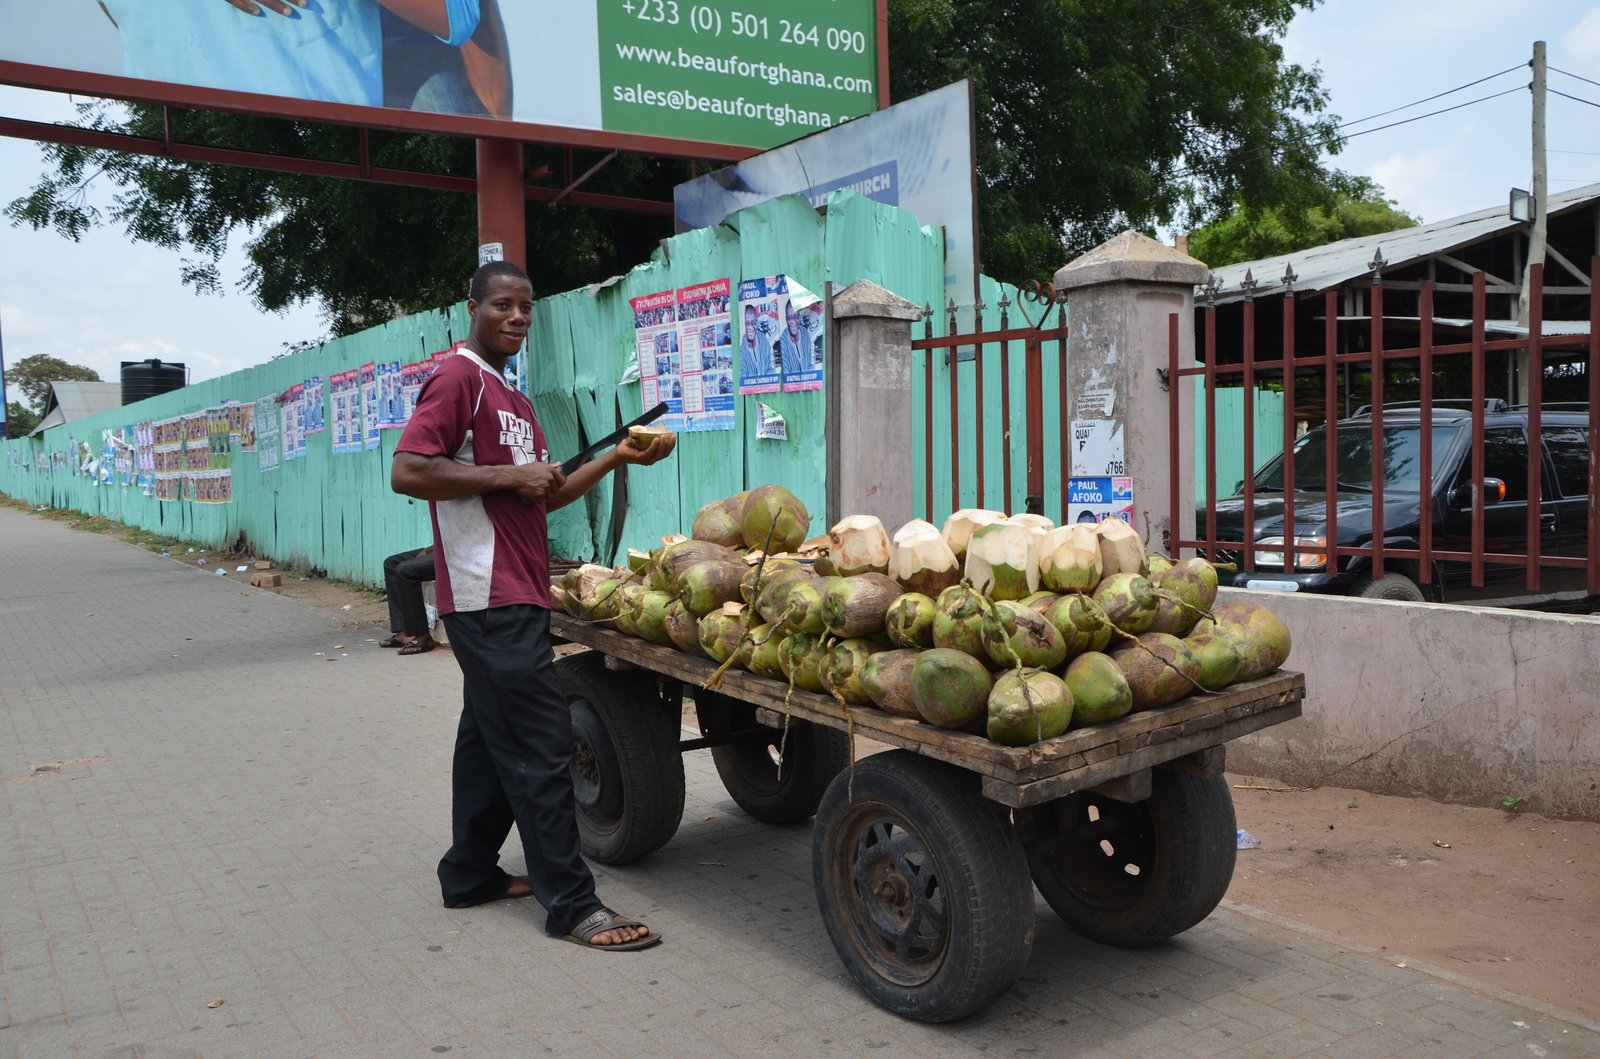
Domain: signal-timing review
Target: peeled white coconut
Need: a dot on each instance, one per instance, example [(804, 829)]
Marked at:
[(1121, 548), (1003, 560), (858, 544), (1028, 518), (958, 528), (1069, 559), (920, 559)]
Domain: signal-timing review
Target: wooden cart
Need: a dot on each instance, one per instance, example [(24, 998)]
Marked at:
[(925, 857)]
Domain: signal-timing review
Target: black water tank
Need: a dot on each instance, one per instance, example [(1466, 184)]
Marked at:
[(150, 378)]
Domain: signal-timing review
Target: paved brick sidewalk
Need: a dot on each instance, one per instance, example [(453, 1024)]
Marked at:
[(224, 815)]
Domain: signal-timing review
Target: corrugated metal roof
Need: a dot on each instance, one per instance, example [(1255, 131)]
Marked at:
[(75, 400), (1323, 267)]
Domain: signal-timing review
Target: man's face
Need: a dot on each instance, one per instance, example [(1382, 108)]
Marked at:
[(500, 321), (750, 326), (793, 319)]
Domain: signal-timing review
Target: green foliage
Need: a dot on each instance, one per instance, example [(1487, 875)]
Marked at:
[(1251, 233), (20, 419), (33, 376), (1514, 803), (1092, 116)]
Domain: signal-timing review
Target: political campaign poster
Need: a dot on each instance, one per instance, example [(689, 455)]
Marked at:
[(313, 416), (655, 330), (800, 342), (345, 398), (412, 376), (268, 413), (292, 424), (247, 427), (705, 340), (367, 376), (758, 322), (1097, 499), (391, 401)]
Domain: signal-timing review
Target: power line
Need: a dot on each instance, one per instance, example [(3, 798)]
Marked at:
[(1576, 99), (1430, 99), (1445, 110), (1595, 154), (1569, 73)]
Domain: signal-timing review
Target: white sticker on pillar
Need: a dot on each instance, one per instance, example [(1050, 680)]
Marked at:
[(488, 252), (1097, 499), (1097, 449), (1096, 402), (770, 425)]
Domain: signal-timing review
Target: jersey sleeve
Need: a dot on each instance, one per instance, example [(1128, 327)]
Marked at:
[(443, 415)]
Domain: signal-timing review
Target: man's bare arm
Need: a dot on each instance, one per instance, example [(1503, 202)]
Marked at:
[(442, 478)]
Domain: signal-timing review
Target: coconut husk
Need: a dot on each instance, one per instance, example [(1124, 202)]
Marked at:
[(705, 586), (1069, 559), (802, 604), (1031, 521), (801, 658), (921, 560), (674, 558), (1100, 692), (909, 621), (774, 598), (886, 678), (774, 519), (1028, 706), (718, 522), (650, 617), (950, 688), (1003, 560), (841, 670), (858, 544), (960, 526), (958, 621), (1259, 635), (683, 628), (856, 606), (1121, 548), (720, 632), (763, 659), (1082, 623), (1159, 669), (1129, 600), (1219, 659), (1017, 635)]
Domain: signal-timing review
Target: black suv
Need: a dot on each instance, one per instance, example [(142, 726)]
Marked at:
[(1447, 502)]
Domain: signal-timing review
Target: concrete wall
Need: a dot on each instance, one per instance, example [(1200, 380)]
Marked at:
[(1458, 704)]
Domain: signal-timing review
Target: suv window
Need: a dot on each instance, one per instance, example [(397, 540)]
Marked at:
[(1401, 467), (1569, 451), (1505, 456)]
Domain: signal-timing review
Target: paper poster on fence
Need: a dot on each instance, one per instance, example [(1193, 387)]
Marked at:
[(368, 374), (345, 399), (292, 422), (267, 415), (1097, 499), (1097, 449), (313, 415), (705, 339), (247, 427), (800, 342), (412, 376), (391, 400), (760, 310), (655, 330)]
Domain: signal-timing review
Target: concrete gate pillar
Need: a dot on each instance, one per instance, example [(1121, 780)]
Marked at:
[(869, 406), (1120, 296)]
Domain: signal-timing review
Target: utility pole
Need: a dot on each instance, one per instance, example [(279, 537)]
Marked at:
[(1536, 235)]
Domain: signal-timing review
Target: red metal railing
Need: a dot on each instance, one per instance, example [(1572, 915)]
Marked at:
[(948, 352), (1378, 360)]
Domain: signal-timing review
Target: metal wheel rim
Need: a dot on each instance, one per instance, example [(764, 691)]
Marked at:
[(589, 781), (1108, 878), (892, 895)]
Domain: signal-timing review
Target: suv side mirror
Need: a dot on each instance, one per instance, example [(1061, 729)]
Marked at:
[(1494, 491)]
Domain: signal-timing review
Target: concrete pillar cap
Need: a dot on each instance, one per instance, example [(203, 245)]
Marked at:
[(866, 298), (1131, 257)]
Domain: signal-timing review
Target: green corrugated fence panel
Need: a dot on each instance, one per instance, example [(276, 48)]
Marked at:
[(1229, 458)]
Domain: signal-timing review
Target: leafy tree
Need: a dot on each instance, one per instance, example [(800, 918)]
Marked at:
[(19, 419), (33, 376), (1248, 233), (1092, 115)]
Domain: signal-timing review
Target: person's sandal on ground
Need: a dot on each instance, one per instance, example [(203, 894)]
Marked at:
[(419, 645), (395, 640), (606, 920)]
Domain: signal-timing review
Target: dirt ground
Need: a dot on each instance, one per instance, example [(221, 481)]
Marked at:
[(1505, 898)]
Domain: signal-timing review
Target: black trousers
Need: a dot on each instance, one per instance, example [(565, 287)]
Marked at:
[(512, 761), (403, 575)]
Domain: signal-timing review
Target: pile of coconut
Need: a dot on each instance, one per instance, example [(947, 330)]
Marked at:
[(1005, 625)]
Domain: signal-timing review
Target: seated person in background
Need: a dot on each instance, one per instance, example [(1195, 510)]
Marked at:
[(403, 575)]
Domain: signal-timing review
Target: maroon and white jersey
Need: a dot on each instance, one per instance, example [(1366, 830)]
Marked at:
[(492, 550)]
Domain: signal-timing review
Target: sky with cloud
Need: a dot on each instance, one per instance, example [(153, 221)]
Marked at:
[(105, 300)]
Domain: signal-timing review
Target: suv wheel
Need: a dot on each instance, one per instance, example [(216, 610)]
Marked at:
[(1389, 586)]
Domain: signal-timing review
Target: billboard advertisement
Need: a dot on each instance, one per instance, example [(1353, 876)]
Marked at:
[(917, 155), (736, 73)]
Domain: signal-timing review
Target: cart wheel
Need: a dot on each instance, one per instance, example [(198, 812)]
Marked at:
[(750, 768), (923, 886), (627, 774), (1135, 874)]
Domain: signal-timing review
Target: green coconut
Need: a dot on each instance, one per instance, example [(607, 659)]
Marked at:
[(764, 659), (1192, 585), (602, 604), (886, 678), (628, 597), (1219, 659), (909, 622), (1099, 690), (1028, 706), (707, 585), (774, 598), (763, 574), (1172, 618), (1082, 623), (802, 604), (842, 664), (561, 599), (1069, 559), (1003, 560), (1129, 600), (720, 632), (958, 621), (801, 656), (650, 616), (639, 560), (1041, 600), (773, 520), (857, 606), (1259, 635), (719, 521), (1160, 669), (1014, 634), (678, 556), (950, 688), (683, 628)]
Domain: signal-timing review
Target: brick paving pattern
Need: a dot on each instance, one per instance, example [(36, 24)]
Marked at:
[(214, 841)]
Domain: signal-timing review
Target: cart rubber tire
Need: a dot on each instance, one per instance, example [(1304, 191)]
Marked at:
[(1134, 874), (627, 773), (813, 755), (923, 886), (1389, 586)]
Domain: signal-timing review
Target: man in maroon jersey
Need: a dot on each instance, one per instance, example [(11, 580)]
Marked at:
[(474, 450)]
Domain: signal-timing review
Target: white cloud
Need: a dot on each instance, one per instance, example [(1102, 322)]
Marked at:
[(1580, 45)]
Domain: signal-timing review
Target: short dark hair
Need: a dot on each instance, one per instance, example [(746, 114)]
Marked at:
[(479, 286)]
